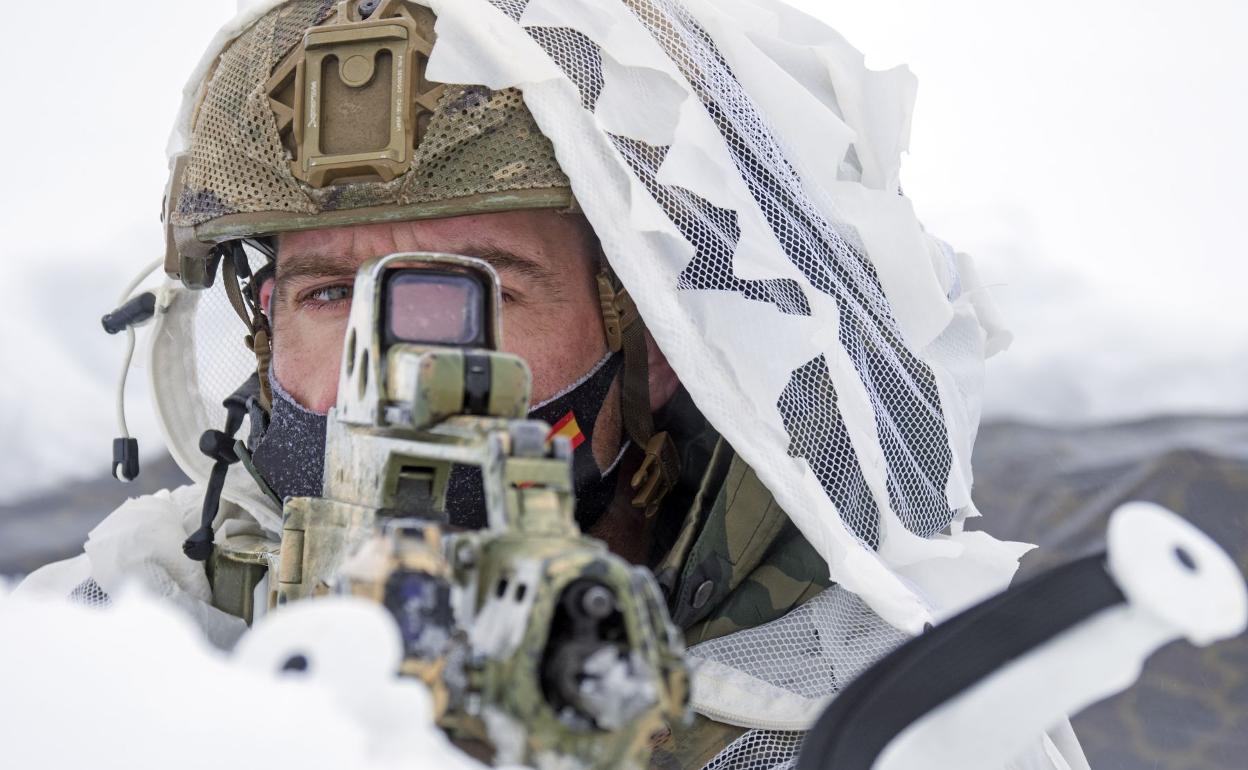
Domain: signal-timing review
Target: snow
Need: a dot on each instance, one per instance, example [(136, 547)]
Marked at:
[(136, 686), (1088, 155)]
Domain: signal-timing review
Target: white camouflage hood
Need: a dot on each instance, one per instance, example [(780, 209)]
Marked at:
[(740, 165)]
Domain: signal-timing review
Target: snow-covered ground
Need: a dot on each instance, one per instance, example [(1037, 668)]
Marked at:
[(115, 707), (1088, 154)]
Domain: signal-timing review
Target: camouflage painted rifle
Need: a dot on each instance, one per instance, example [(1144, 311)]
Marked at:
[(541, 646)]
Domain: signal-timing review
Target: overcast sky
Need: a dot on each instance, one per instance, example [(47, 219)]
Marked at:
[(1089, 154)]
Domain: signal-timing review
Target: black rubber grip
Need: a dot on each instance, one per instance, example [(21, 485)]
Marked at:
[(133, 313), (125, 459), (935, 667)]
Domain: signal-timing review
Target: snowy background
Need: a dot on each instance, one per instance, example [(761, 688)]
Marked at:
[(1090, 155)]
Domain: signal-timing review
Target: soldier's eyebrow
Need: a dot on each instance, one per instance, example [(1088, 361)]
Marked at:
[(326, 265), (503, 260), (297, 267)]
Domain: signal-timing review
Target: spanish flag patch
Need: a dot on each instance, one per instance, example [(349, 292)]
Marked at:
[(567, 426)]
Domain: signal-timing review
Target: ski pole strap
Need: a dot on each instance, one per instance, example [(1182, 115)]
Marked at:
[(938, 665)]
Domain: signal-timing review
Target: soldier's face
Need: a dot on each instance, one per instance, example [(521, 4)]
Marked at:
[(545, 261)]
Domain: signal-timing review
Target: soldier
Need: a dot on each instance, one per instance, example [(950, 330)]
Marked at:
[(655, 184)]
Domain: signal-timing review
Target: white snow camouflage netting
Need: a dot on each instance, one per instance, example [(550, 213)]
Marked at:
[(740, 165), (791, 666)]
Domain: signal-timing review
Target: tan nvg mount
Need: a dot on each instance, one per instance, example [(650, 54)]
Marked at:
[(541, 646), (352, 101)]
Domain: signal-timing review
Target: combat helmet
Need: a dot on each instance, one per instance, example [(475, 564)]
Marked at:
[(315, 114), (319, 114)]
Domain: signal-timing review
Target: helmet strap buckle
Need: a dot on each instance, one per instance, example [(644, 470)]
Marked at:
[(657, 474), (619, 312)]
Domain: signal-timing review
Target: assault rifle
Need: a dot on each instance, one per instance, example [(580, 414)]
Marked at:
[(540, 646)]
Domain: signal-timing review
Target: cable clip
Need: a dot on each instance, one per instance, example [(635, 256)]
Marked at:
[(135, 312)]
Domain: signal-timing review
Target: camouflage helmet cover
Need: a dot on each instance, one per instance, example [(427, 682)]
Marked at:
[(318, 114)]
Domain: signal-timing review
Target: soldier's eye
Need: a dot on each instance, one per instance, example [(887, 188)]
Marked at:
[(329, 294)]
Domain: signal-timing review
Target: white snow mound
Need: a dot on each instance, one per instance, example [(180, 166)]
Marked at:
[(137, 686)]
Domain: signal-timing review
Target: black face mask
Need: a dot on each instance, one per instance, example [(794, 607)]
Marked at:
[(573, 412), (290, 455)]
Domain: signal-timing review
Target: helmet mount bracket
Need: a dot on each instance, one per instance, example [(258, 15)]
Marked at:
[(351, 103)]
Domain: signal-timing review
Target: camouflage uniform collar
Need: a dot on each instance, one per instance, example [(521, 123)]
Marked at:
[(671, 568), (737, 562), (730, 557), (683, 507)]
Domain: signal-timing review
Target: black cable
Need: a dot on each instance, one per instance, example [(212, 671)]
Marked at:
[(935, 667), (219, 446)]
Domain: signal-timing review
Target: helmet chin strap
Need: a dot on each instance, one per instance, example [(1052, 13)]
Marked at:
[(246, 303), (625, 331), (254, 395)]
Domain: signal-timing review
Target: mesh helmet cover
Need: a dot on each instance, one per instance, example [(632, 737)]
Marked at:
[(475, 149)]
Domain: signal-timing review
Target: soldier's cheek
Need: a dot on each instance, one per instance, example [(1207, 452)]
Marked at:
[(307, 353), (549, 342)]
